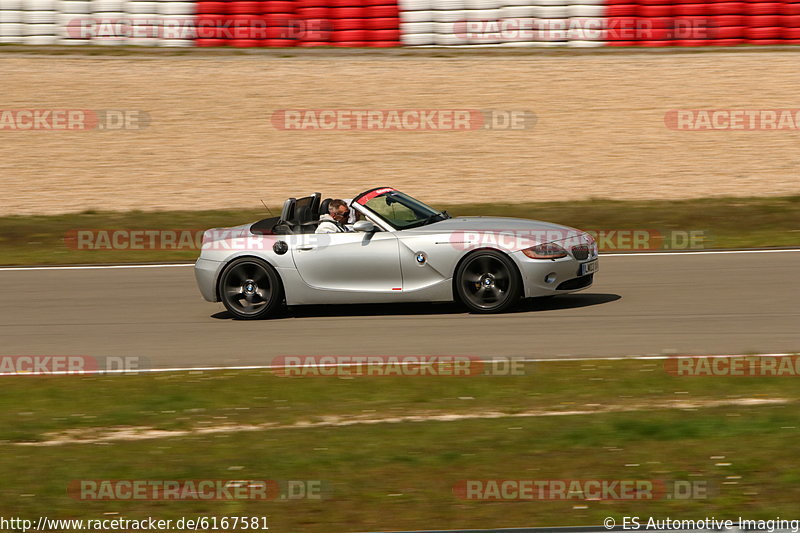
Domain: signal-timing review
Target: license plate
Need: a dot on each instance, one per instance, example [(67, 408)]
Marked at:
[(590, 268)]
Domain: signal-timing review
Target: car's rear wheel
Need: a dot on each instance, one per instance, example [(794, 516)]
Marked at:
[(488, 282), (250, 288)]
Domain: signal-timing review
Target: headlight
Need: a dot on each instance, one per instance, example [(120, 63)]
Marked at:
[(545, 251), (592, 243)]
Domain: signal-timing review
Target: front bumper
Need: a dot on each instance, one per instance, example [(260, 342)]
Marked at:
[(206, 272), (564, 273)]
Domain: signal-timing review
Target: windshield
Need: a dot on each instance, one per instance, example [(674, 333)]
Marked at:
[(399, 209)]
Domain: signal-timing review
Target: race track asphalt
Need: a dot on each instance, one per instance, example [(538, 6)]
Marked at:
[(639, 305)]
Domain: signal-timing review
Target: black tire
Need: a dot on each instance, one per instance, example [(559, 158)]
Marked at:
[(250, 289), (487, 281)]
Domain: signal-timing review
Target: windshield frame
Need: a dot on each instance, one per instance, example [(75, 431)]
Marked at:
[(431, 218)]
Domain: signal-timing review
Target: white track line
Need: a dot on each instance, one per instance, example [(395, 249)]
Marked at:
[(703, 252), (94, 267), (172, 265), (401, 363)]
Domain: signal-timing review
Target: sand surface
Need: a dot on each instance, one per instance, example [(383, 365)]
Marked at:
[(211, 143)]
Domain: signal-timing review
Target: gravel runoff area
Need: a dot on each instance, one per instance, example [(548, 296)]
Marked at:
[(600, 129)]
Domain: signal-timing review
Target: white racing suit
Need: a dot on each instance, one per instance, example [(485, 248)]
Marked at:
[(327, 224)]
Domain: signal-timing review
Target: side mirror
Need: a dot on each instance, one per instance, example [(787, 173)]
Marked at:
[(364, 225)]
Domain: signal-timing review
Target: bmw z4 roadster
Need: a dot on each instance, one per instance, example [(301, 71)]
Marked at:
[(389, 248)]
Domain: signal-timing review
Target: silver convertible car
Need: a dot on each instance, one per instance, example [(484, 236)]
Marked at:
[(395, 249)]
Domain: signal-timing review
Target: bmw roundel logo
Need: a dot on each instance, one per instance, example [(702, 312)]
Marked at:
[(421, 258)]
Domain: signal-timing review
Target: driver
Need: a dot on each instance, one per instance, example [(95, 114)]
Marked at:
[(334, 221)]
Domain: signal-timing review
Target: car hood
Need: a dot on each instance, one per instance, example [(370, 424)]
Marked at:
[(491, 223), (502, 232)]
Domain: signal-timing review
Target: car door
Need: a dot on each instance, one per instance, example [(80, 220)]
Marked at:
[(353, 262)]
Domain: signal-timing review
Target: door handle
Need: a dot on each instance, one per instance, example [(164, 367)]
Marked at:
[(306, 248)]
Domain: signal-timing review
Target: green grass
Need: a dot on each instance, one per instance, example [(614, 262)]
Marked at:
[(725, 223), (398, 476), (58, 404)]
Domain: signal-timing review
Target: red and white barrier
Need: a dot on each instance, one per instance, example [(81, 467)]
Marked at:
[(389, 23)]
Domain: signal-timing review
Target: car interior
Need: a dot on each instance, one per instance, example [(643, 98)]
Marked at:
[(298, 216)]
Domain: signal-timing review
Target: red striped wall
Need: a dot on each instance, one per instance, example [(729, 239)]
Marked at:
[(692, 23), (306, 23)]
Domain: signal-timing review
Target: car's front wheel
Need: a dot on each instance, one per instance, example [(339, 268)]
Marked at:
[(250, 288), (488, 282)]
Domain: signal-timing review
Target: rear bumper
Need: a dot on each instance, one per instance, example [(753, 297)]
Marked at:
[(205, 272)]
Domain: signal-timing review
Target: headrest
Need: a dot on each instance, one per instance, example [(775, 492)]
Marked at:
[(303, 214), (315, 198), (323, 207), (287, 213)]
